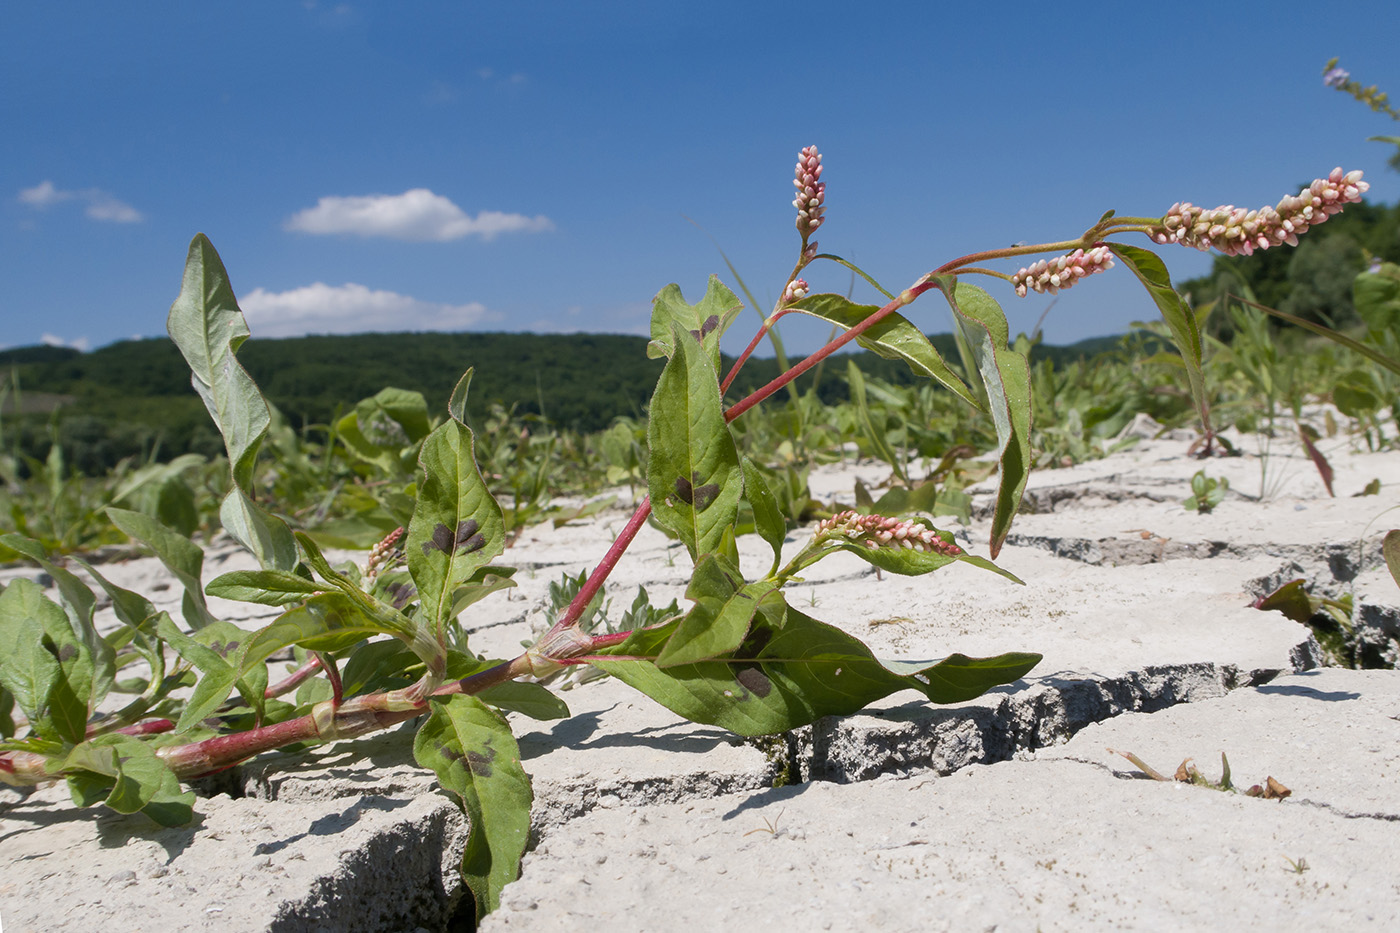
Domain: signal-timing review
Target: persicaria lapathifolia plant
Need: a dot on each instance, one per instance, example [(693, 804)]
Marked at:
[(379, 644)]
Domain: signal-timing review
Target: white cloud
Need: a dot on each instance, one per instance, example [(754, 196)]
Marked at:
[(417, 215), (51, 340), (100, 204), (352, 309)]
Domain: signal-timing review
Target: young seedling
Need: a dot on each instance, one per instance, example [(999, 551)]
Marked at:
[(1206, 493), (1188, 773)]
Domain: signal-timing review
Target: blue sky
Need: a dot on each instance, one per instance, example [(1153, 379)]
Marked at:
[(531, 166)]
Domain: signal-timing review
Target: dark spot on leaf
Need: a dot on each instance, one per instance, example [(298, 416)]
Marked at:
[(466, 531), (481, 764), (705, 496), (441, 541), (691, 493), (448, 752), (223, 650), (757, 639), (466, 538), (67, 652), (400, 594), (757, 682), (706, 328)]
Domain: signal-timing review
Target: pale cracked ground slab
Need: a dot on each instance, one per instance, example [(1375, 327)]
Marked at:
[(1135, 612), (1068, 839)]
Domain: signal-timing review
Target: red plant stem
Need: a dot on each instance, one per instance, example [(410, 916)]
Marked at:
[(748, 351), (605, 566), (905, 297), (293, 680), (149, 727), (619, 546)]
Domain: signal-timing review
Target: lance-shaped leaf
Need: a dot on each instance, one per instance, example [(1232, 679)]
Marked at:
[(767, 517), (693, 472), (893, 337), (78, 602), (328, 622), (1185, 331), (266, 536), (1007, 378), (131, 777), (29, 668), (181, 556), (457, 525), (787, 675), (705, 322), (724, 607), (215, 651), (208, 327), (267, 587), (476, 758), (879, 444)]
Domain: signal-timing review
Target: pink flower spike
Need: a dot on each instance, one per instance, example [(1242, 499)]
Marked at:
[(1236, 232), (811, 191), (1051, 275)]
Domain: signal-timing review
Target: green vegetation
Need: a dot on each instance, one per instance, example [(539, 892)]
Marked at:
[(133, 398)]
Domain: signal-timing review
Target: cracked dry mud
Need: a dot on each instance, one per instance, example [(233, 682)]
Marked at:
[(1006, 811)]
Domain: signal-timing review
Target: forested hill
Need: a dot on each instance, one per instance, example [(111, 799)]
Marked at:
[(122, 396)]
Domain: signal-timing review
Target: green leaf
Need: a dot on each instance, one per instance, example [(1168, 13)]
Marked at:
[(130, 607), (179, 554), (96, 657), (894, 338), (329, 622), (208, 327), (1292, 600), (879, 445), (483, 583), (790, 673), (533, 700), (28, 669), (137, 777), (705, 322), (767, 517), (385, 427), (724, 607), (266, 536), (475, 757), (215, 652), (1005, 374), (457, 404), (693, 472), (267, 587), (1185, 330), (457, 526)]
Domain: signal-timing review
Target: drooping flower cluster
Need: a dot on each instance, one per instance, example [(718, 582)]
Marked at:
[(796, 290), (875, 531), (811, 191), (1235, 231), (1051, 275)]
